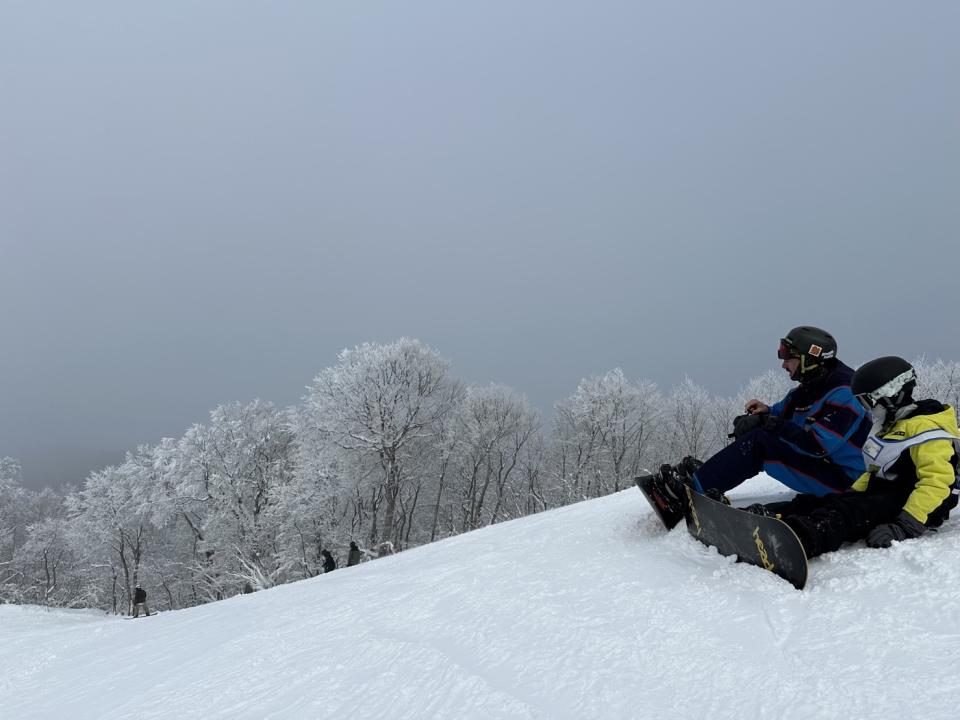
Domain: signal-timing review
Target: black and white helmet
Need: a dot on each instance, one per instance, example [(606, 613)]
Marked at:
[(887, 383), (815, 348)]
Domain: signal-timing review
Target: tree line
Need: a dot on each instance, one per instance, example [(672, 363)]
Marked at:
[(388, 448)]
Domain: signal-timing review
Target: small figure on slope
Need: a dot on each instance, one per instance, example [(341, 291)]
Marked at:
[(354, 556), (140, 600)]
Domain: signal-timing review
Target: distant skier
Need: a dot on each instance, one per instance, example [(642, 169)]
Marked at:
[(810, 440), (911, 482), (329, 564), (354, 556), (140, 600)]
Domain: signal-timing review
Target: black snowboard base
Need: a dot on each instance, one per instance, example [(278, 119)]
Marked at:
[(766, 542)]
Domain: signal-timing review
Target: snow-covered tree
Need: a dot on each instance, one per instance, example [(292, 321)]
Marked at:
[(112, 529), (48, 563), (494, 425), (239, 463), (770, 387), (603, 432), (311, 504), (447, 444), (12, 518), (694, 427), (939, 380), (381, 402)]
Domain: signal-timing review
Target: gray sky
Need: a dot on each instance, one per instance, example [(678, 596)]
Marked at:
[(205, 202)]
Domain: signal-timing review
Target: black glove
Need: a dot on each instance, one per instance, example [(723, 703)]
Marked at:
[(759, 509), (904, 527), (742, 424)]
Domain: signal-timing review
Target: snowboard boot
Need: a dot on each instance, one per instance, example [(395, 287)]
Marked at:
[(666, 493), (716, 494), (686, 469)]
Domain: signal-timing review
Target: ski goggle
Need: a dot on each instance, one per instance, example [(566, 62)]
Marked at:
[(787, 350), (871, 399)]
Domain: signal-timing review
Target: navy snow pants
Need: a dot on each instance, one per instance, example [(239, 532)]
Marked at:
[(762, 450)]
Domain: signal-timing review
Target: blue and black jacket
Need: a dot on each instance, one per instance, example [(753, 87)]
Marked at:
[(822, 419)]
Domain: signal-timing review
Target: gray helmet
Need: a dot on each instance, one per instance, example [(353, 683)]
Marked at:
[(815, 348)]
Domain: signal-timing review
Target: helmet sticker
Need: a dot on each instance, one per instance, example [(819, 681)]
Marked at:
[(815, 350)]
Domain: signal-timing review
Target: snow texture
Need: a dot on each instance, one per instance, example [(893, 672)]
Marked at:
[(588, 611)]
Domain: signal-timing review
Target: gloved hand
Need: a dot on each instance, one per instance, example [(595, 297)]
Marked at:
[(905, 526), (742, 424), (759, 509)]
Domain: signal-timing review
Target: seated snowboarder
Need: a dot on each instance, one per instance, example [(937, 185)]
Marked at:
[(329, 564), (810, 440), (911, 481)]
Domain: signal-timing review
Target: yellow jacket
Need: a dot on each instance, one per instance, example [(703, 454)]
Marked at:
[(921, 450)]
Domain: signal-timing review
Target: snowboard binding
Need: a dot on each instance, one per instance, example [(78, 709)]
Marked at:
[(666, 490)]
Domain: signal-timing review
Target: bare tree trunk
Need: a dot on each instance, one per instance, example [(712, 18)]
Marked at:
[(410, 513), (391, 490), (444, 463)]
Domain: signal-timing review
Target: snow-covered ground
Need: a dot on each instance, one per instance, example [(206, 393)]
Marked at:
[(590, 611)]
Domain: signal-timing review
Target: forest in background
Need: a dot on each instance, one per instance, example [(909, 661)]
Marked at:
[(388, 449)]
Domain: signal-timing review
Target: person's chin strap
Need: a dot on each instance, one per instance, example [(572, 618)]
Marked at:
[(806, 372)]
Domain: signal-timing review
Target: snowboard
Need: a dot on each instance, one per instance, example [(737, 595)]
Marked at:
[(668, 515), (766, 542)]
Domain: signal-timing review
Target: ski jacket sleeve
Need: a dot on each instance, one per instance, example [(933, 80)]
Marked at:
[(935, 477), (777, 408)]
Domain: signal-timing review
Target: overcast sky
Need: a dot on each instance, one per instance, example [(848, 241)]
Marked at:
[(203, 202)]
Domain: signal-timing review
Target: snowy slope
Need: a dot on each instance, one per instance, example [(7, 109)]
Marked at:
[(590, 611)]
